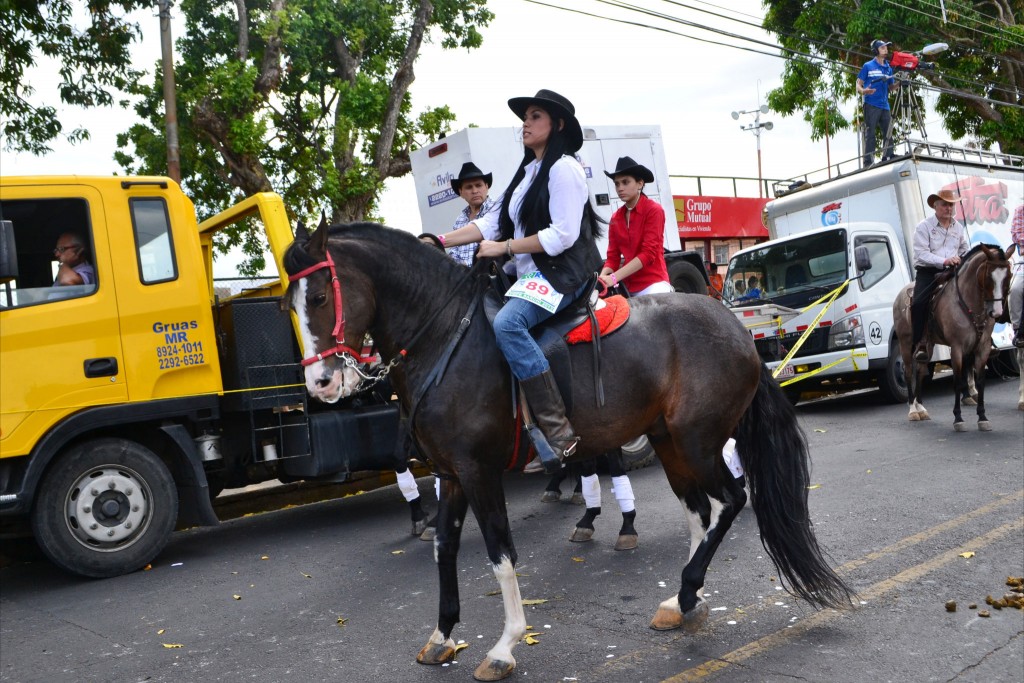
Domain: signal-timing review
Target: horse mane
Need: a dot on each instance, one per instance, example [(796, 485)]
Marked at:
[(405, 259)]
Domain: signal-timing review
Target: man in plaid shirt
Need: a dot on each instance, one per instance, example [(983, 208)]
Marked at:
[(1017, 284), (472, 185)]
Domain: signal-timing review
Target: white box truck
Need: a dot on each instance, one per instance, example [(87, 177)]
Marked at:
[(816, 233), (499, 151)]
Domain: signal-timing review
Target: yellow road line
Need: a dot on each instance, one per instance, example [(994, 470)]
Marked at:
[(877, 590), (909, 541), (848, 567)]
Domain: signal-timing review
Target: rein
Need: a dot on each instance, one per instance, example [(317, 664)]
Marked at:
[(978, 320)]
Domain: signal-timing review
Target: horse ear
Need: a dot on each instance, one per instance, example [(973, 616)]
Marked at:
[(318, 241), (301, 233), (323, 220)]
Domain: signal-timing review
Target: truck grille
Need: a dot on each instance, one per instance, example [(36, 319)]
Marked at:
[(773, 350)]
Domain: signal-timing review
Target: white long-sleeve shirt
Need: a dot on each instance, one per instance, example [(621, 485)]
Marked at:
[(567, 187), (934, 244)]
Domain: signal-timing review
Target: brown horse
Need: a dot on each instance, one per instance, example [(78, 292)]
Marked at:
[(425, 314), (964, 309)]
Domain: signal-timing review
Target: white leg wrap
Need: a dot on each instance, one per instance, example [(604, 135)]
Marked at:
[(515, 618), (591, 491), (437, 488), (623, 493), (407, 485), (732, 458)]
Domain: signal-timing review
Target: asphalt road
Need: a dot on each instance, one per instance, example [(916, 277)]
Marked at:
[(340, 591)]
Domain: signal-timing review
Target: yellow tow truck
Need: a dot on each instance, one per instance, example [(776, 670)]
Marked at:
[(128, 402)]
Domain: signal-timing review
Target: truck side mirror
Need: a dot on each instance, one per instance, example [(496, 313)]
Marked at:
[(862, 257), (8, 252)]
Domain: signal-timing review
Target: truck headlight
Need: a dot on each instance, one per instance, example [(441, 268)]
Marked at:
[(846, 334)]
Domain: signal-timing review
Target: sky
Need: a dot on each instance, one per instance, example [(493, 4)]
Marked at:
[(615, 74)]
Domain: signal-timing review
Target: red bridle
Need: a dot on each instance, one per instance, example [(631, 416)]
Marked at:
[(340, 349)]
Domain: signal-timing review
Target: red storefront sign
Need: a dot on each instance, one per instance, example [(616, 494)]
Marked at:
[(704, 217)]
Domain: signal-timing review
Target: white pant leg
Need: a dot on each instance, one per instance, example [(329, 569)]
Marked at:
[(407, 485)]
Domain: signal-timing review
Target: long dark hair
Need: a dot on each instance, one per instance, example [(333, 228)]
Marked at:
[(534, 210)]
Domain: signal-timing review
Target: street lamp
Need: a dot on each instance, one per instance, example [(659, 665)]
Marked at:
[(756, 126)]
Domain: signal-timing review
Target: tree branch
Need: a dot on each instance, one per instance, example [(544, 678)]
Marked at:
[(243, 31), (403, 78), (270, 68)]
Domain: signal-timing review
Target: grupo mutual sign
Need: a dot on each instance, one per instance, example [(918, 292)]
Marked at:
[(707, 217)]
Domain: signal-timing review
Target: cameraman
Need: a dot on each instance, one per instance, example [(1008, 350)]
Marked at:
[(873, 83)]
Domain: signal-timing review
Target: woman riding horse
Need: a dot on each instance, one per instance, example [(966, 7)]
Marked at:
[(547, 227)]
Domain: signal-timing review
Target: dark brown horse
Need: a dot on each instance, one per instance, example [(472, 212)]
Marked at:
[(660, 369), (964, 311)]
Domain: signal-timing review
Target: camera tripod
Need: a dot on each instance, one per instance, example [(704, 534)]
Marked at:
[(906, 111)]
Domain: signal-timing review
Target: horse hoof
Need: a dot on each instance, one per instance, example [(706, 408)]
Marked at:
[(959, 427), (577, 499), (914, 417), (984, 426), (968, 401), (437, 653), (1020, 405), (581, 535), (493, 670), (419, 526), (666, 619), (924, 415), (428, 534), (626, 542), (696, 616), (550, 496)]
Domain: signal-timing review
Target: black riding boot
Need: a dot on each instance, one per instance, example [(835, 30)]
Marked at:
[(545, 403)]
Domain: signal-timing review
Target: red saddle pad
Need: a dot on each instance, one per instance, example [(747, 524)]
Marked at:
[(611, 317)]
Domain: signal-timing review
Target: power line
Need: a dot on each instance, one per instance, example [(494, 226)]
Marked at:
[(1006, 37), (963, 11), (929, 37), (621, 4)]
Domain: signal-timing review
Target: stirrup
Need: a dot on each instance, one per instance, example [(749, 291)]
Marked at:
[(921, 354)]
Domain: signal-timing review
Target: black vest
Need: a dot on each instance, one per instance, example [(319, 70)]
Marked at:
[(574, 266)]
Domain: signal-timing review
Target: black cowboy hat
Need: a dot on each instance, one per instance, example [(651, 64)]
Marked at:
[(626, 166), (469, 172), (559, 107)]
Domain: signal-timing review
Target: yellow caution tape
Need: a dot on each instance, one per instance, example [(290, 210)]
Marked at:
[(828, 300)]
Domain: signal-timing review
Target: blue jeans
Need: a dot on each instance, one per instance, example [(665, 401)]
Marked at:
[(512, 330)]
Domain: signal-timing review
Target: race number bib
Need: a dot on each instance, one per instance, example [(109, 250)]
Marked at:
[(533, 287)]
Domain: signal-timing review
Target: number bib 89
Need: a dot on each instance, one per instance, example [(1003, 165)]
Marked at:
[(535, 288)]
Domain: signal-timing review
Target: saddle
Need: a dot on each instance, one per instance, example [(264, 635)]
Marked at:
[(573, 325)]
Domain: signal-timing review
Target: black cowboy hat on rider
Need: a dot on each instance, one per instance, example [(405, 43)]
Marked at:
[(547, 227)]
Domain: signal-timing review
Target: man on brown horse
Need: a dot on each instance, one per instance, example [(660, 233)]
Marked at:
[(939, 242)]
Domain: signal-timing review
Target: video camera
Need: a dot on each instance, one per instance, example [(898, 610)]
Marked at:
[(908, 61)]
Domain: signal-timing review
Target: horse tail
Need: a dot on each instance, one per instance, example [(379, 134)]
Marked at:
[(773, 450)]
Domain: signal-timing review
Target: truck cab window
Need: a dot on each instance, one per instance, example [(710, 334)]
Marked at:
[(53, 248), (154, 247), (881, 259)]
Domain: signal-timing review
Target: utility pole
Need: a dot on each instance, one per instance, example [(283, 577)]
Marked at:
[(170, 101)]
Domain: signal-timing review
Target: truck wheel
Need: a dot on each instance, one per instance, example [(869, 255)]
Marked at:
[(686, 278), (637, 454), (892, 382), (105, 508)]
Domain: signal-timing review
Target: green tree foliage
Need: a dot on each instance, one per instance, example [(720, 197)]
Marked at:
[(308, 98), (981, 75), (94, 64)]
